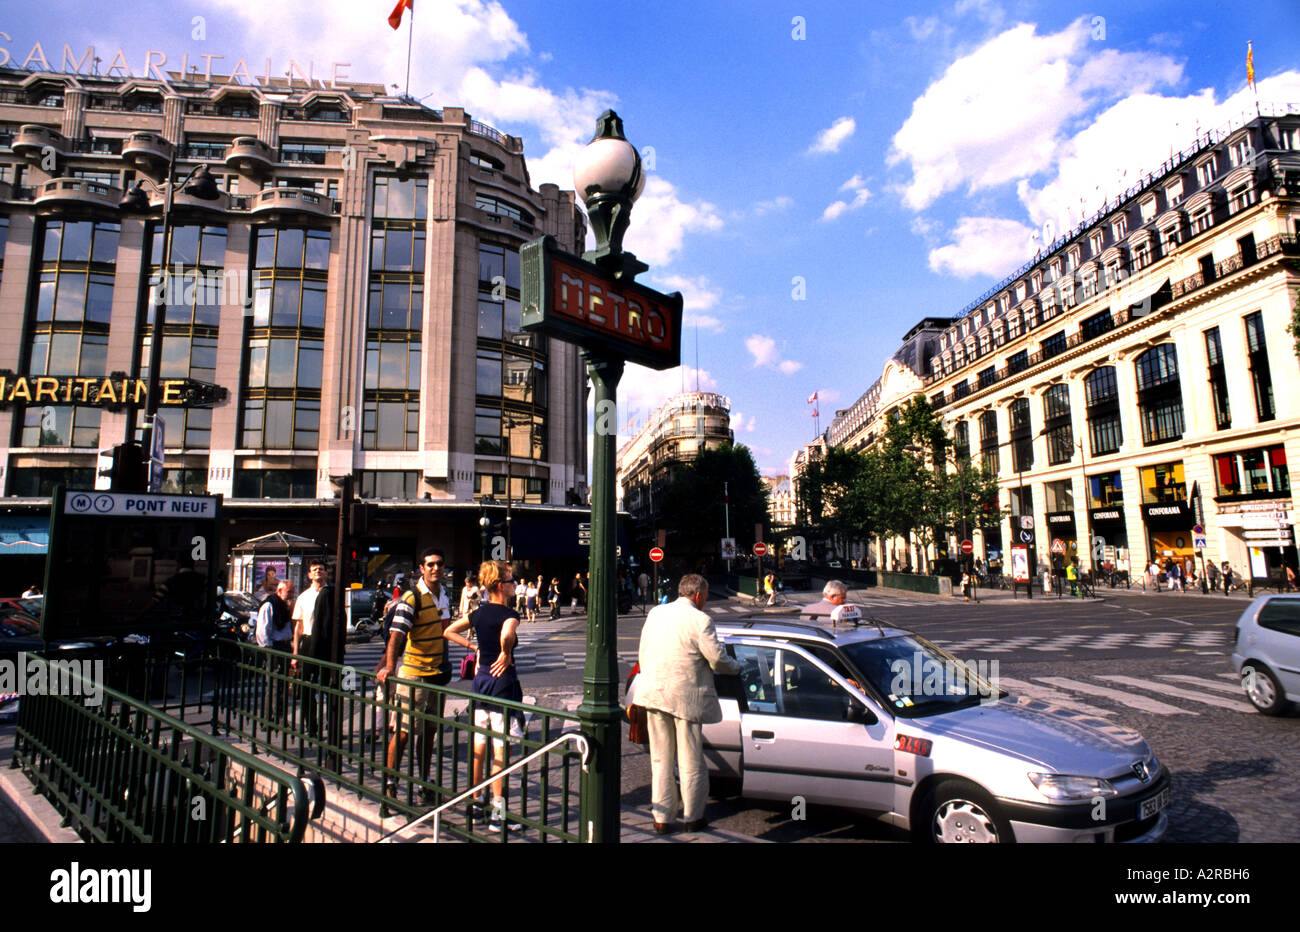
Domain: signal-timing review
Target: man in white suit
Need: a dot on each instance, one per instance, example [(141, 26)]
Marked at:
[(679, 652)]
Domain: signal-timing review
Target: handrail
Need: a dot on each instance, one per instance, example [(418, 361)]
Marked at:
[(576, 737)]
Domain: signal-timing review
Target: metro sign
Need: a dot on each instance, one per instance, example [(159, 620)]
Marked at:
[(577, 301)]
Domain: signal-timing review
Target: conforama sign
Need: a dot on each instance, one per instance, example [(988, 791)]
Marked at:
[(573, 300)]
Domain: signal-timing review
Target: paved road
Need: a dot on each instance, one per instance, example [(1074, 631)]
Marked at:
[(1154, 662)]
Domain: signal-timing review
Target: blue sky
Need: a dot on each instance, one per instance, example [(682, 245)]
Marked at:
[(823, 174)]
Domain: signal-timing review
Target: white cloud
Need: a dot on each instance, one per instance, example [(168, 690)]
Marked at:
[(763, 349), (834, 136), (463, 53), (1134, 136), (661, 220), (780, 202), (983, 246), (999, 113), (861, 195), (740, 424), (697, 296)]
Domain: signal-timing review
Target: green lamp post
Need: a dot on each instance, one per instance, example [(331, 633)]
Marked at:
[(607, 175)]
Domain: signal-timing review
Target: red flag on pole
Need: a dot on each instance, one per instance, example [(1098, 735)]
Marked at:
[(812, 398), (395, 17), (1250, 65)]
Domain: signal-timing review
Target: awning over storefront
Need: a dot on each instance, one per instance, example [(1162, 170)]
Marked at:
[(20, 534)]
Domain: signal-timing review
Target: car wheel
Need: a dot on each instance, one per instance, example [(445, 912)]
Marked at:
[(1262, 689), (960, 812)]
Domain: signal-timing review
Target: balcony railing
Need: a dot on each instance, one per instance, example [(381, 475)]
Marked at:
[(1284, 244)]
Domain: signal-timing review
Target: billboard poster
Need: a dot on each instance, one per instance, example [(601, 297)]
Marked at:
[(267, 573), (1019, 564)]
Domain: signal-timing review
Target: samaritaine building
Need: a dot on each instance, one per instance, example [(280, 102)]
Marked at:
[(1137, 382), (349, 304)]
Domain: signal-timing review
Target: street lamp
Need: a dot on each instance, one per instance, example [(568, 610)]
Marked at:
[(198, 183), (484, 522), (608, 176)]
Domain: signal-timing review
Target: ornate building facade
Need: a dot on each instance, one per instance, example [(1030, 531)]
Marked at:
[(354, 289), (1135, 387)]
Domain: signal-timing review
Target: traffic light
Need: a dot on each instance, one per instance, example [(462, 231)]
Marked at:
[(127, 472), (363, 517)]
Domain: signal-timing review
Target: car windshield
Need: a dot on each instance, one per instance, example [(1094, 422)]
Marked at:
[(917, 678)]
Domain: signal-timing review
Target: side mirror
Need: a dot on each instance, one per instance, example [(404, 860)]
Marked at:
[(860, 714)]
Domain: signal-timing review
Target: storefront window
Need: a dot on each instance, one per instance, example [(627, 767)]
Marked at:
[(1060, 495), (1105, 490)]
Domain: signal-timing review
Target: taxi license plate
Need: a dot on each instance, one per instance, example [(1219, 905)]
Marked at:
[(1153, 805)]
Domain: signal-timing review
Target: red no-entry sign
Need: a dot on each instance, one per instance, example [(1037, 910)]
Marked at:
[(967, 547), (760, 549), (656, 554)]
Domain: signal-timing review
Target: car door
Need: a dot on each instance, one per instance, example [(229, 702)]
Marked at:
[(1279, 641), (799, 737)]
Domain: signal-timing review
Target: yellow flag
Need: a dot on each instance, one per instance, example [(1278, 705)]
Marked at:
[(1250, 65)]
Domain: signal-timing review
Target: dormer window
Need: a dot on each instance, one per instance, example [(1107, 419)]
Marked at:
[(1035, 283), (1205, 172), (1240, 152), (1119, 229), (1096, 242), (1200, 220), (1141, 255), (1174, 192), (1147, 208), (1072, 259)]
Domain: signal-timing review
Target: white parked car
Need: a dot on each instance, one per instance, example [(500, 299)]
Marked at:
[(1267, 652), (879, 720)]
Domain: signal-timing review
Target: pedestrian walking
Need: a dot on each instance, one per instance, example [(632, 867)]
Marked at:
[(1229, 578), (1212, 575), (679, 654), (469, 596)]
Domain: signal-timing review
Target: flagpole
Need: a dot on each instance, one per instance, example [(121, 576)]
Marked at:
[(410, 37)]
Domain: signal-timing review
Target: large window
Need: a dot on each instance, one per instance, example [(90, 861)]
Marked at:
[(1160, 400), (1102, 399), (1056, 424), (1054, 345), (1253, 473), (1022, 446), (1218, 379), (390, 416), (989, 441), (510, 365), (195, 289), (275, 483), (1260, 377), (1163, 484), (286, 340), (68, 326)]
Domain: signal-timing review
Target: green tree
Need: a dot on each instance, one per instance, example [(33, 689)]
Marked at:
[(696, 507)]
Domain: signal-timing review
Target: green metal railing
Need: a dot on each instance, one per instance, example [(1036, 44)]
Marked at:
[(338, 721), (123, 771)]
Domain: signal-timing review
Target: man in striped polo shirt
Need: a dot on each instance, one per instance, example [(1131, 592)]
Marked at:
[(417, 636)]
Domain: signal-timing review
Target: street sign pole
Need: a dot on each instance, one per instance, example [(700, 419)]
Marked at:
[(601, 794)]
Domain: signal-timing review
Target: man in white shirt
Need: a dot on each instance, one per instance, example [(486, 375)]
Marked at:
[(304, 611)]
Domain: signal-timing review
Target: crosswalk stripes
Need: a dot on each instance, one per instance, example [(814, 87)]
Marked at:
[(1114, 640), (1233, 688), (1034, 691), (1108, 695), (1141, 703), (1239, 705)]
